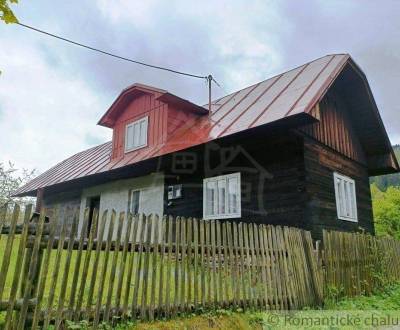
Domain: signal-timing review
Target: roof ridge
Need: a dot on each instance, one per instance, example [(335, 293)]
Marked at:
[(276, 75)]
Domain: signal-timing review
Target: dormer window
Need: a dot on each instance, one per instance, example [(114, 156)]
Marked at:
[(136, 134)]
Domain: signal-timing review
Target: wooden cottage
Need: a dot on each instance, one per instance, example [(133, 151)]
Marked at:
[(296, 149)]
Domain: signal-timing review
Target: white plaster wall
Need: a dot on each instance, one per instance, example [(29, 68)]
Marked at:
[(115, 195)]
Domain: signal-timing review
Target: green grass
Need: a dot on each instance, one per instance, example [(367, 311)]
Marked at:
[(383, 306)]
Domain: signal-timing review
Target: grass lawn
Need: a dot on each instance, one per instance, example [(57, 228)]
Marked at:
[(379, 308)]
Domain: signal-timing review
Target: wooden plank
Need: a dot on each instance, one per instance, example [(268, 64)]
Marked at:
[(189, 304), (111, 280), (220, 264), (267, 303), (17, 271), (246, 295), (7, 251), (196, 268), (177, 265), (238, 275), (169, 262), (43, 275), (78, 261), (183, 248), (208, 286), (134, 239), (100, 239), (54, 276), (253, 270), (248, 264), (123, 266), (146, 264), (154, 263), (202, 265), (103, 272), (86, 264), (259, 281), (214, 268), (225, 248), (230, 256), (291, 281), (67, 265), (135, 308), (162, 240), (34, 267), (274, 268)]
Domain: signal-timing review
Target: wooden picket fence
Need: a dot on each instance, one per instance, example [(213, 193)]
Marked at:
[(145, 267), (357, 264), (155, 267)]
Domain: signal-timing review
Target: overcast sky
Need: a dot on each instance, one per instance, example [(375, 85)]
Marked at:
[(52, 94)]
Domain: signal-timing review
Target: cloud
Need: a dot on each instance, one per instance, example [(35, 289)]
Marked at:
[(52, 94), (46, 115)]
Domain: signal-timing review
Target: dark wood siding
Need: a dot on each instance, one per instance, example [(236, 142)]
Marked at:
[(320, 164), (335, 128), (272, 178)]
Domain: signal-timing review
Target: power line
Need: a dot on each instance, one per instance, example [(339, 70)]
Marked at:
[(114, 55)]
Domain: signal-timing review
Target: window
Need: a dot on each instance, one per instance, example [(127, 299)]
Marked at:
[(221, 197), (136, 134), (134, 201), (345, 192)]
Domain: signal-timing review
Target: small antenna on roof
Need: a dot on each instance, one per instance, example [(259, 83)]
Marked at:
[(209, 80)]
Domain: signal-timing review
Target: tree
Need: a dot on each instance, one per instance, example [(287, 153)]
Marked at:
[(386, 207), (6, 14), (10, 180)]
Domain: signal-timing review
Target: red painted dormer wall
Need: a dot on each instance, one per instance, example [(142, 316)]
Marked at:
[(142, 106), (164, 120)]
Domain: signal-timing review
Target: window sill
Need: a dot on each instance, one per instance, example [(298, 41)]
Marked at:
[(226, 216), (127, 151), (348, 219)]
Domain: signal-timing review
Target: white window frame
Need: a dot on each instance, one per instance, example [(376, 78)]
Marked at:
[(225, 215), (139, 122), (350, 193)]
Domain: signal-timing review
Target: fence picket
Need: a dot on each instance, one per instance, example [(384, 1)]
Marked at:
[(64, 282), (154, 269), (78, 261), (86, 263), (17, 272), (122, 264), (104, 268), (44, 274), (113, 271), (146, 264), (33, 268), (169, 262), (131, 259), (7, 251), (54, 276)]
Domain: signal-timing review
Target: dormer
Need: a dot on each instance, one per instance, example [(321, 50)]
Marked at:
[(143, 117)]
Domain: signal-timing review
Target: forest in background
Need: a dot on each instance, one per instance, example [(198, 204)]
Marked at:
[(385, 191)]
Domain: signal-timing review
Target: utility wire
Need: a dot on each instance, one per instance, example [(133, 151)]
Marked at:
[(114, 55)]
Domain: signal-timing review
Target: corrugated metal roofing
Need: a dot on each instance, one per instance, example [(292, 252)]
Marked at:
[(290, 93)]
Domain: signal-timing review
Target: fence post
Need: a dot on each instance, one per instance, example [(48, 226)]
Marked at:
[(28, 256)]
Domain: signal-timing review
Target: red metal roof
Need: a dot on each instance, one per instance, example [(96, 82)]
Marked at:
[(285, 95)]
